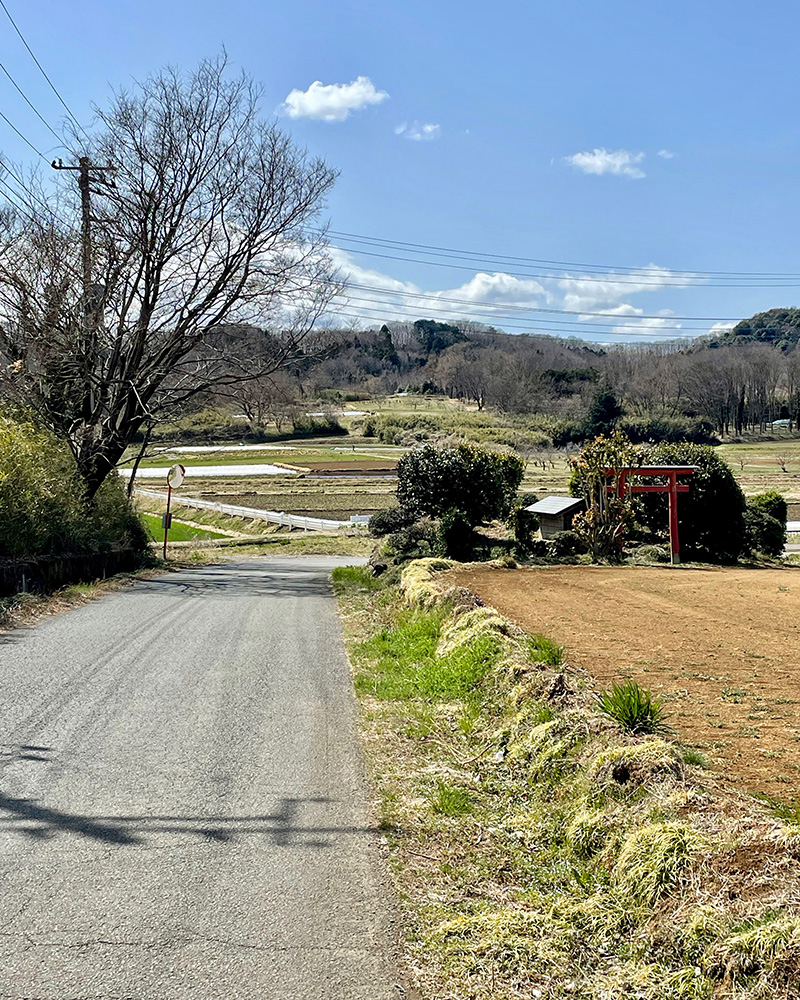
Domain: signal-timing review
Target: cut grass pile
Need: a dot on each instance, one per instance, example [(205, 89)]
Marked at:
[(538, 847)]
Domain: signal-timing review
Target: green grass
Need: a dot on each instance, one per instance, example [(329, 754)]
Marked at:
[(354, 579), (634, 708), (450, 800), (400, 662), (535, 852), (695, 758), (544, 650), (178, 532)]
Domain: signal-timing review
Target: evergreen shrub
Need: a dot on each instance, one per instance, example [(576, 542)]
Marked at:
[(43, 509), (479, 482), (710, 515)]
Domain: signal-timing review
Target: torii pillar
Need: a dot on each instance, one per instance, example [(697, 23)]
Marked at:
[(672, 488)]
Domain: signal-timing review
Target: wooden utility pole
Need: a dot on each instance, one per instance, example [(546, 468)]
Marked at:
[(92, 294), (91, 297)]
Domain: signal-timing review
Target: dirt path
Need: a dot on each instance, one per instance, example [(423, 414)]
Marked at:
[(722, 645)]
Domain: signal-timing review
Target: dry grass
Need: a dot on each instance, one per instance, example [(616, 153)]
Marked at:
[(539, 851)]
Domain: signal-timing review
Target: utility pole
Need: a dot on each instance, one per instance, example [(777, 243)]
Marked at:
[(92, 294), (84, 170)]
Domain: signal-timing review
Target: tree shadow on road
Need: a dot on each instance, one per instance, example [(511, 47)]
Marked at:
[(226, 581)]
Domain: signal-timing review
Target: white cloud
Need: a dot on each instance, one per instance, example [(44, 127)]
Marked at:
[(506, 301), (602, 292), (720, 328), (606, 161), (424, 132), (333, 102), (497, 289), (665, 154), (479, 298)]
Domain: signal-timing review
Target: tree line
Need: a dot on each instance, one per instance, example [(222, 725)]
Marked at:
[(730, 385)]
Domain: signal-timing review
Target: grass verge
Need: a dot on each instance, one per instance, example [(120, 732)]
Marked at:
[(538, 848), (179, 532)]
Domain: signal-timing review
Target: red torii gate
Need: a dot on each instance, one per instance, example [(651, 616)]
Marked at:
[(672, 488)]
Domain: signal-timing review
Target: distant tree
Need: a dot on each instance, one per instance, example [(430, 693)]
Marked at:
[(268, 398), (478, 482), (604, 412), (435, 337), (384, 347), (776, 327)]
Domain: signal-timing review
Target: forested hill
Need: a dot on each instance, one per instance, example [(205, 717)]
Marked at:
[(740, 381), (776, 327)]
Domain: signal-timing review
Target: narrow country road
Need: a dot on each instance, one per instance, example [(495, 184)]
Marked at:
[(182, 804)]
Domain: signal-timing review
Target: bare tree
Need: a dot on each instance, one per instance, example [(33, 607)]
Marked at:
[(269, 397), (202, 230)]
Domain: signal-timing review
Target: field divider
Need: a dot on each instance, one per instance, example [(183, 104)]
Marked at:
[(254, 513)]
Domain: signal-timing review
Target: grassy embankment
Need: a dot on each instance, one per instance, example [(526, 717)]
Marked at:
[(178, 532), (538, 848)]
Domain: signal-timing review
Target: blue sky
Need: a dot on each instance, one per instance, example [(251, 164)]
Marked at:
[(659, 135)]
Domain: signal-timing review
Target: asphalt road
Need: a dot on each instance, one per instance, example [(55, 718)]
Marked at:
[(182, 803)]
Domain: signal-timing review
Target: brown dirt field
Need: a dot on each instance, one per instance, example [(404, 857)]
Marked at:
[(722, 646)]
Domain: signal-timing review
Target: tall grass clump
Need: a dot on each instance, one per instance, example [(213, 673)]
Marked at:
[(450, 800), (544, 650), (634, 708), (654, 859), (354, 579)]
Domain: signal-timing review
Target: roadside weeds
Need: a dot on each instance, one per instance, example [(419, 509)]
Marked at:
[(538, 849)]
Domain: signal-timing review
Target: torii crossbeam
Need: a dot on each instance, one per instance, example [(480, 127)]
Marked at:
[(672, 488)]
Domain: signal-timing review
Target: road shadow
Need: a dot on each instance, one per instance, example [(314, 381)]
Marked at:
[(282, 827), (225, 582), (10, 753)]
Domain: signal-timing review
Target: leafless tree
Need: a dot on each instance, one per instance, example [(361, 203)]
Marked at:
[(269, 397), (205, 229)]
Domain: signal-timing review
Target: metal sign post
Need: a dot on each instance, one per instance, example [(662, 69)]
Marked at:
[(174, 480)]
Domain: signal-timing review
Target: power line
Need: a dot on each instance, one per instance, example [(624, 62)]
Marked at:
[(27, 191), (382, 315), (490, 313), (12, 196), (41, 69), (389, 243), (606, 279), (15, 129), (17, 202), (545, 309), (30, 104)]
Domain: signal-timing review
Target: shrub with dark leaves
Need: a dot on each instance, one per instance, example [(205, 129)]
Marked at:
[(480, 482), (384, 522), (710, 515), (456, 536), (762, 532)]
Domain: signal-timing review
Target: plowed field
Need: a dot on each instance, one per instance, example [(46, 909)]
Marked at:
[(721, 645)]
